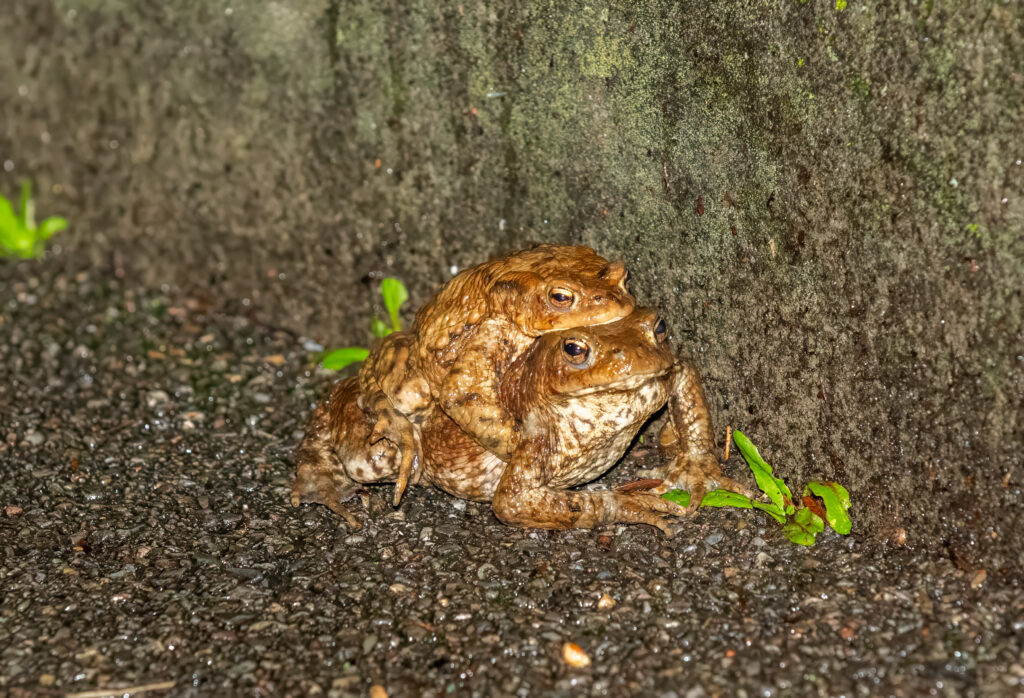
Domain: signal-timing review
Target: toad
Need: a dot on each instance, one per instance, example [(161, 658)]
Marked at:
[(578, 397), (464, 339)]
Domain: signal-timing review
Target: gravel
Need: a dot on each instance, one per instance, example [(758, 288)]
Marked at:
[(146, 540)]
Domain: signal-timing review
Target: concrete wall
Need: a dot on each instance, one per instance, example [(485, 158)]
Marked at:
[(825, 199)]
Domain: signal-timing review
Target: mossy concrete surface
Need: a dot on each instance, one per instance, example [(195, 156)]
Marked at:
[(826, 200)]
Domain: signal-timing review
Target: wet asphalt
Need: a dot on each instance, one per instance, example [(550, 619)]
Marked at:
[(147, 544)]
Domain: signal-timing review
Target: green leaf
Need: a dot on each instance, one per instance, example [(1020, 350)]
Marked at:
[(680, 497), (837, 501), (725, 498), (379, 329), (772, 486), (340, 358), (53, 224), (395, 294), (27, 215), (15, 240), (771, 509), (804, 527), (11, 232)]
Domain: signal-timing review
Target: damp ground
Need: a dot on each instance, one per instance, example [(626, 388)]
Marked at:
[(147, 544)]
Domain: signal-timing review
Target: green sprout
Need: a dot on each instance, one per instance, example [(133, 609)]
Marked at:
[(19, 234), (801, 524), (395, 294)]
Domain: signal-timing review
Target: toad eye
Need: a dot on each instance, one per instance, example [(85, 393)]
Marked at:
[(561, 298), (660, 330), (576, 351)]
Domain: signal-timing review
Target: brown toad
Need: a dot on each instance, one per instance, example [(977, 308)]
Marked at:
[(578, 398), (472, 330)]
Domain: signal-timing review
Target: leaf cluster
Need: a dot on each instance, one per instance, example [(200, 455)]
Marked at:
[(801, 521), (19, 234), (395, 295)]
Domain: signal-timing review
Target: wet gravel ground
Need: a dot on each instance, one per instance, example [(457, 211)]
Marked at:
[(146, 540)]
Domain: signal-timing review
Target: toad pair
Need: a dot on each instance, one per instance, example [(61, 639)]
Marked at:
[(522, 377)]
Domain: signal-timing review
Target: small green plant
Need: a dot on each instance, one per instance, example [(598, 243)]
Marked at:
[(19, 234), (821, 501), (395, 294)]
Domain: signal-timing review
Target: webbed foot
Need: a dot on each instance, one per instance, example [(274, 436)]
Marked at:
[(312, 486)]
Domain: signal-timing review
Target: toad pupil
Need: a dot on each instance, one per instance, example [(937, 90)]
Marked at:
[(575, 349)]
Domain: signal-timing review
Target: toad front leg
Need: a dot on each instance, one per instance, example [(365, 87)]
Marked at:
[(688, 439), (524, 499), (400, 399), (469, 392)]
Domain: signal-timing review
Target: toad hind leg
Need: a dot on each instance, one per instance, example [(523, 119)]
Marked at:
[(522, 500), (320, 477), (334, 455)]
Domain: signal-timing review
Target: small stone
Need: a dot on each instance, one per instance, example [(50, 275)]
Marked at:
[(47, 679), (378, 691), (13, 510), (605, 602), (369, 642), (399, 588), (978, 579), (714, 538), (34, 438), (574, 656), (275, 359), (155, 398), (426, 533)]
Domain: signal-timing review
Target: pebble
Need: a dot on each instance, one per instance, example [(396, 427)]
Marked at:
[(574, 656), (156, 398)]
